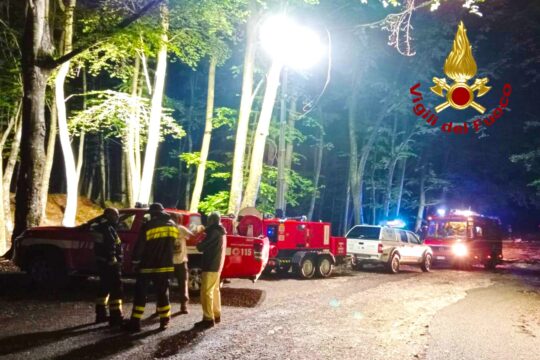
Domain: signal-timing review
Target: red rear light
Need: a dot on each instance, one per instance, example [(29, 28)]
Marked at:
[(379, 249)]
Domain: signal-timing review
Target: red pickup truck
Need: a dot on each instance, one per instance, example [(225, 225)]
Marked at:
[(50, 254)]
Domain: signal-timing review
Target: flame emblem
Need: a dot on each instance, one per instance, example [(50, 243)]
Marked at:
[(460, 66)]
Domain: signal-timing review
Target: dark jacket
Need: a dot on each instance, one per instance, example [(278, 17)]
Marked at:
[(107, 247), (213, 248), (153, 251)]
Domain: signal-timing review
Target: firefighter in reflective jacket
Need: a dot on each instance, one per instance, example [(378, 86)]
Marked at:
[(108, 253), (153, 257)]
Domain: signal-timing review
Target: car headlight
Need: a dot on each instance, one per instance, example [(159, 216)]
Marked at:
[(460, 249)]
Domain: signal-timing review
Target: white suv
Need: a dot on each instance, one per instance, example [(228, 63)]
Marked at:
[(369, 244)]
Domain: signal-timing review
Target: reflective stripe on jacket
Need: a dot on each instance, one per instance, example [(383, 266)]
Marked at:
[(154, 249)]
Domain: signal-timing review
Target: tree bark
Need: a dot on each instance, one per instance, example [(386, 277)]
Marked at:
[(102, 171), (237, 179), (401, 183), (261, 133), (422, 200), (36, 47), (205, 148), (353, 160), (8, 177), (388, 190), (133, 175), (318, 165), (155, 111), (289, 151), (71, 168)]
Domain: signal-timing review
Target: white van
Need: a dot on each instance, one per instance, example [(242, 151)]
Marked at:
[(383, 245)]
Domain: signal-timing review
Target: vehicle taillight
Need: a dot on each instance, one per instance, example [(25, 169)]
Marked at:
[(379, 249)]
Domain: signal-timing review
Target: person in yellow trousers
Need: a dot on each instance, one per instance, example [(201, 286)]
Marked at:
[(213, 257)]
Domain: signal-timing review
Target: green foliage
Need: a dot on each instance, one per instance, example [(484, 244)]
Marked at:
[(215, 202), (108, 112), (300, 188), (225, 116), (167, 172), (194, 159)]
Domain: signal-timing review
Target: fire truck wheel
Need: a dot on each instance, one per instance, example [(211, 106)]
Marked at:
[(393, 264), (47, 270), (307, 268), (324, 267), (195, 279), (426, 264)]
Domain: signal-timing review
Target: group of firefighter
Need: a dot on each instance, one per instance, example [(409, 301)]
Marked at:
[(160, 252)]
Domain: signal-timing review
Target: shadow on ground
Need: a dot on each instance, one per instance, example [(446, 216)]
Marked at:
[(16, 343), (173, 344)]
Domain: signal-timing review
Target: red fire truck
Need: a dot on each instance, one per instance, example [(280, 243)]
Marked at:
[(49, 254), (305, 247), (462, 238)]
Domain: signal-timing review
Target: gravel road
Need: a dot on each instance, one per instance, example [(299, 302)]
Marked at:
[(444, 314)]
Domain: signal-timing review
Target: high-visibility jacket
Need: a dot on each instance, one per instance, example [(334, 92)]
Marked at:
[(153, 252)]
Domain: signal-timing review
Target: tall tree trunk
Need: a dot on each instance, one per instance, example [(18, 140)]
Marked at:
[(102, 171), (353, 160), (36, 47), (347, 206), (237, 179), (261, 133), (421, 200), (205, 148), (189, 174), (401, 183), (373, 193), (388, 190), (49, 157), (8, 177), (318, 165), (155, 111), (69, 159), (133, 175), (289, 151)]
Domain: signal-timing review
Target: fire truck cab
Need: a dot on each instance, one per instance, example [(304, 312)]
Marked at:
[(463, 238)]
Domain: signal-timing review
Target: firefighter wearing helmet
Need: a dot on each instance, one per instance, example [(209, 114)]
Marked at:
[(108, 253), (153, 261)]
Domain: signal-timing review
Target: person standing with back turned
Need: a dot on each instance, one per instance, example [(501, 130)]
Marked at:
[(180, 260), (108, 253), (153, 259), (213, 248)]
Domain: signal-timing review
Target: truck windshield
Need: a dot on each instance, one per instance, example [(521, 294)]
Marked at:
[(447, 229), (364, 232)]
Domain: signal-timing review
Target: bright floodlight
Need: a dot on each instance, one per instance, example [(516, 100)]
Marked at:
[(290, 43), (441, 212)]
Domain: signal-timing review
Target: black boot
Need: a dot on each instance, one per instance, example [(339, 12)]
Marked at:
[(116, 319), (164, 323), (101, 314)]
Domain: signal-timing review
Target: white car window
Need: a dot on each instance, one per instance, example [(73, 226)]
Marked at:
[(403, 236), (388, 234), (413, 239)]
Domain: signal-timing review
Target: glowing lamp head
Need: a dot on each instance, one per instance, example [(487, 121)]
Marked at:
[(441, 212), (460, 249), (294, 45), (397, 223)]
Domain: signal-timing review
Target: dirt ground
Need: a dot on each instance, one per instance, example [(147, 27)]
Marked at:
[(445, 314)]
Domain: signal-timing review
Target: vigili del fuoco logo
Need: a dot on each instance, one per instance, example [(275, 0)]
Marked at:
[(460, 67)]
